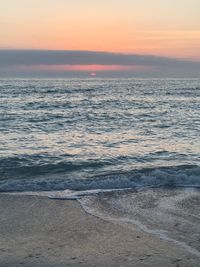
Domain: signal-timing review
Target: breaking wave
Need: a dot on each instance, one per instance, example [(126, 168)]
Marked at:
[(170, 176)]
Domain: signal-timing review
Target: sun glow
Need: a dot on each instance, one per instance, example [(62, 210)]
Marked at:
[(93, 69)]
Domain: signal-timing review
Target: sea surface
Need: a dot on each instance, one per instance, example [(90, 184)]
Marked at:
[(133, 144)]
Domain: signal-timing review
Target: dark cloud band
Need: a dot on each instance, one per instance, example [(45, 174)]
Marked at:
[(44, 63), (43, 57)]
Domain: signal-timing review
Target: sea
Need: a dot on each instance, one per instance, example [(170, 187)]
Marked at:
[(127, 149)]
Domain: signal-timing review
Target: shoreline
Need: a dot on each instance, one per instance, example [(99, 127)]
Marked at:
[(39, 232)]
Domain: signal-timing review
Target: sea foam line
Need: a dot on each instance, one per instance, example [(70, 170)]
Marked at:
[(161, 234)]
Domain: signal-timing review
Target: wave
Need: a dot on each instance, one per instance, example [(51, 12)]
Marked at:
[(36, 165), (170, 176), (46, 164)]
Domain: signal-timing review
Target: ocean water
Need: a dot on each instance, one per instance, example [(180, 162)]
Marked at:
[(93, 133), (133, 144)]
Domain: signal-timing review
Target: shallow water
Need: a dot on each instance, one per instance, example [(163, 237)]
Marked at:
[(170, 214)]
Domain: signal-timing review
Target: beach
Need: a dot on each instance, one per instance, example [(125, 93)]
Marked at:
[(40, 232)]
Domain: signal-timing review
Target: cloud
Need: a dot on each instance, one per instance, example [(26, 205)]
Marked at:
[(45, 57), (27, 61)]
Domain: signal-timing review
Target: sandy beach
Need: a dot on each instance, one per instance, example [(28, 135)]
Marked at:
[(39, 232)]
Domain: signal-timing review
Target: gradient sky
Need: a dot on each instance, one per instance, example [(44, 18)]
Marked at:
[(159, 27)]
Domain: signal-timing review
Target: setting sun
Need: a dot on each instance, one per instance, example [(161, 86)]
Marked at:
[(93, 74)]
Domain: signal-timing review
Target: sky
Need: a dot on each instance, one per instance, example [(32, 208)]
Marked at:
[(167, 28)]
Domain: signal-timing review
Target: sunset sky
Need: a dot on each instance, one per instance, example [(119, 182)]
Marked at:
[(169, 28)]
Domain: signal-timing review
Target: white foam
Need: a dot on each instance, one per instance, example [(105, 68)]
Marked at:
[(70, 194), (159, 219), (67, 194)]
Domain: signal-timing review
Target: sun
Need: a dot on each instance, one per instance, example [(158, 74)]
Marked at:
[(93, 74)]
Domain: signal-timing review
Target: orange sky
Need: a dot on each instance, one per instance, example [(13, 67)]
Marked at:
[(158, 27)]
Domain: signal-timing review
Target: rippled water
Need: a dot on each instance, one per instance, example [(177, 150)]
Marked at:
[(93, 133)]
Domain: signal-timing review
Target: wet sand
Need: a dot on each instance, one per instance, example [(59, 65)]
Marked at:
[(39, 232)]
